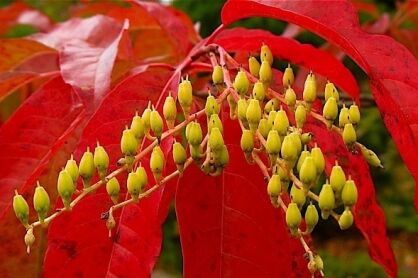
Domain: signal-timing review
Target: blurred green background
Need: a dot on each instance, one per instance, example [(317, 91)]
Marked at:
[(344, 253)]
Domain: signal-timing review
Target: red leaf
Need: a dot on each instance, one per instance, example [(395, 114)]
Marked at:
[(369, 217), (33, 134), (87, 51), (79, 239), (388, 64), (286, 48), (228, 226)]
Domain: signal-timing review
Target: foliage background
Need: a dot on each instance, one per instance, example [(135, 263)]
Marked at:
[(344, 253)]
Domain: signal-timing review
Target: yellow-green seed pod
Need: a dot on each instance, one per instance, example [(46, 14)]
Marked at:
[(306, 138), (293, 216), (281, 122), (143, 177), (337, 178), (179, 156), (354, 114), (289, 151), (232, 106), (295, 136), (185, 96), (133, 185), (349, 135), (217, 75), (29, 239), (319, 159), (196, 152), (138, 127), (254, 66), (304, 154), (242, 110), (169, 111), (331, 91), (370, 156), (86, 168), (271, 117), (273, 145), (247, 141), (215, 121), (308, 172), (253, 114), (284, 178), (288, 77), (128, 143), (264, 128), (271, 105), (318, 262), (274, 187), (157, 162), (156, 123), (309, 90), (21, 208), (101, 160), (66, 187), (146, 114), (266, 73), (41, 202), (344, 117), (290, 98), (330, 111), (346, 219), (349, 194), (300, 116), (297, 195), (326, 200), (194, 136), (72, 169), (113, 189), (224, 157), (211, 106), (241, 83), (266, 55), (311, 217), (259, 93), (216, 140)]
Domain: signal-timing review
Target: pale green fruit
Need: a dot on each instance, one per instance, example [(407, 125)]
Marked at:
[(346, 220)]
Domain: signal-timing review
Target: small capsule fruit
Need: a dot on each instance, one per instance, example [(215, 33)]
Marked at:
[(308, 172), (293, 217), (196, 152), (217, 75), (242, 110), (273, 145), (300, 116), (86, 168), (101, 160), (138, 127), (156, 123), (295, 136), (297, 195), (349, 135), (66, 187), (179, 156), (41, 202), (264, 128), (266, 55), (370, 156), (274, 187), (247, 141), (337, 178), (143, 177), (254, 66), (288, 77), (215, 121), (169, 111), (354, 114), (309, 90), (271, 105), (211, 106), (21, 208), (281, 122), (319, 159), (311, 217), (241, 83), (128, 143), (304, 154), (133, 185), (271, 117), (344, 117), (72, 169), (346, 219), (349, 193), (113, 189), (259, 93), (146, 114), (216, 140), (265, 74), (157, 162), (194, 135), (331, 91), (326, 200), (253, 114), (290, 98), (185, 95), (289, 151), (305, 138), (330, 111)]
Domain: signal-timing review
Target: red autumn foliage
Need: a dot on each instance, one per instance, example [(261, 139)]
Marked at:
[(96, 77)]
